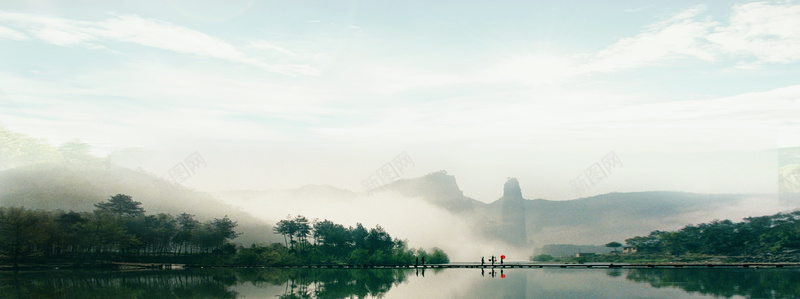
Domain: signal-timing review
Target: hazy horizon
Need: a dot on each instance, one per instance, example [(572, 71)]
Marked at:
[(277, 95)]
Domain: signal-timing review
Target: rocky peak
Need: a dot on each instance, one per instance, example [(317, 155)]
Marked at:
[(511, 189)]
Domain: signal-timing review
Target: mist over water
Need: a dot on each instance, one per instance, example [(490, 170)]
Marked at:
[(413, 219)]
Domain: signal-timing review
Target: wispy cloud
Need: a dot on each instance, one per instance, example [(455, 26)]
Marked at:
[(9, 33), (265, 45), (163, 35), (756, 33), (679, 36), (134, 29), (769, 32)]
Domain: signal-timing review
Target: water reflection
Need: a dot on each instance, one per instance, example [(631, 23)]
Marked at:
[(333, 283), (751, 283), (406, 283), (201, 283), (134, 284)]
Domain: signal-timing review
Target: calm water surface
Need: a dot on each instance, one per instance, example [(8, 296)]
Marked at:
[(405, 283)]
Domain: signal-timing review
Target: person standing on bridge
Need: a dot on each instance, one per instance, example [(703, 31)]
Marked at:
[(482, 262)]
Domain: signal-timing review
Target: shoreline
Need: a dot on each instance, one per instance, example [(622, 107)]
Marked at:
[(168, 266)]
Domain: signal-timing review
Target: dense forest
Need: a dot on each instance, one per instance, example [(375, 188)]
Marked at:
[(764, 235), (333, 243), (120, 230)]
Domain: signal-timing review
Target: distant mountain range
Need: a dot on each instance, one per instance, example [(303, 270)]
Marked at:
[(593, 220), (36, 175), (597, 219)]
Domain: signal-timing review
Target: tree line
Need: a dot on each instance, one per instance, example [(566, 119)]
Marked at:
[(119, 229), (326, 242), (116, 228), (779, 233)]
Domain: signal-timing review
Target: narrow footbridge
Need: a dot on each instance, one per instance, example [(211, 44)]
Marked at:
[(555, 265)]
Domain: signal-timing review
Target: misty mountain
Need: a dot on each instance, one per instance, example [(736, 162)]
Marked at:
[(77, 187), (511, 219), (592, 220), (437, 188), (597, 219), (431, 209), (617, 216)]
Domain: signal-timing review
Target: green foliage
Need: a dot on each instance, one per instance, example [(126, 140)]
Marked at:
[(246, 257), (287, 228), (753, 236), (19, 232), (116, 230), (652, 243), (438, 257), (335, 244), (121, 204), (120, 230), (614, 245), (543, 258)]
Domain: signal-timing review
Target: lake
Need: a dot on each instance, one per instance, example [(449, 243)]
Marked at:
[(406, 283)]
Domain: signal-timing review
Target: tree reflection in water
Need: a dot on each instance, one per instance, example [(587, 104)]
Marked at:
[(369, 283), (724, 282), (332, 283), (131, 284), (200, 283)]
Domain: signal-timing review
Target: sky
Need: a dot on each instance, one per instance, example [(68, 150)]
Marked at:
[(280, 94)]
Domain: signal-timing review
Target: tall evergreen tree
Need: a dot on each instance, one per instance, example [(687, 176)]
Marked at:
[(122, 205)]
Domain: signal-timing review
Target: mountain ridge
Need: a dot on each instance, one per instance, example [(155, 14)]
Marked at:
[(65, 186), (596, 219)]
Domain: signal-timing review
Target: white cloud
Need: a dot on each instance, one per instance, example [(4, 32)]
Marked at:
[(770, 32), (680, 36), (163, 35), (146, 32), (62, 37), (51, 30), (265, 45), (9, 33)]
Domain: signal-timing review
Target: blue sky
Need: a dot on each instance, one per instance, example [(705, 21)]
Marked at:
[(279, 94)]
